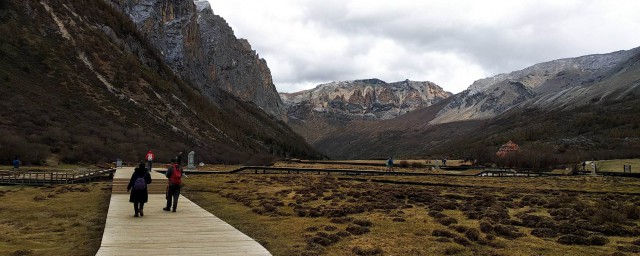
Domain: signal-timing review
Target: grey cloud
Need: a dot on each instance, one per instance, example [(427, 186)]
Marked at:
[(530, 33)]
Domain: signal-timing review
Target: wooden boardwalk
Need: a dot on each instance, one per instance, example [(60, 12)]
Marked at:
[(189, 231)]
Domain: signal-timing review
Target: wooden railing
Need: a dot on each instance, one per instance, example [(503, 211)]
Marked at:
[(44, 178)]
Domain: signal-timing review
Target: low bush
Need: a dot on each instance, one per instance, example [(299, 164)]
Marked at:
[(357, 230), (366, 251), (451, 250), (459, 228), (361, 222), (486, 227), (443, 233), (544, 232), (472, 234), (508, 232), (447, 221), (598, 240), (573, 240)]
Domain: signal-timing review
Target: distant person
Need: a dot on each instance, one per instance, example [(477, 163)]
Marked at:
[(179, 158), (174, 176), (16, 163), (444, 162), (138, 187), (390, 164), (584, 166), (150, 156)]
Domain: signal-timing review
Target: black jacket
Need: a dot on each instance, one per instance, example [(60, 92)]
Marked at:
[(139, 196)]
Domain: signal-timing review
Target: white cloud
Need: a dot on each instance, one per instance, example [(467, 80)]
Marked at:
[(451, 43)]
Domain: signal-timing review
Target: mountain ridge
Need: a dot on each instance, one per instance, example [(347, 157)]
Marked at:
[(87, 86), (328, 106), (588, 112)]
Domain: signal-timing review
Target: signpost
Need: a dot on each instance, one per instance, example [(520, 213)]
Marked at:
[(191, 164)]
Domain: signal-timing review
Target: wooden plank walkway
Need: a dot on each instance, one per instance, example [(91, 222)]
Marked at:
[(189, 231)]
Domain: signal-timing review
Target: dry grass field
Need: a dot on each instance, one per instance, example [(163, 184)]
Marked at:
[(618, 165), (53, 220), (340, 215)]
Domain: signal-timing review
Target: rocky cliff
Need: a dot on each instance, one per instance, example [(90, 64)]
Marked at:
[(201, 48), (87, 86), (363, 99), (543, 84), (328, 107)]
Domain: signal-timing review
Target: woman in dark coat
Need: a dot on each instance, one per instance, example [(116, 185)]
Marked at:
[(138, 186)]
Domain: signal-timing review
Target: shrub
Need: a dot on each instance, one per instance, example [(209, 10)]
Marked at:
[(319, 240), (573, 239), (486, 227), (447, 221), (505, 231), (311, 229), (458, 228), (544, 232), (473, 234), (343, 233), (451, 250), (357, 230), (330, 228), (443, 233), (361, 222), (398, 219), (443, 240), (334, 238), (461, 240), (366, 251), (598, 240), (631, 211)]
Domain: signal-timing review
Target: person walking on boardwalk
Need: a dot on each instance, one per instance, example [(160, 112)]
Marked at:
[(390, 164), (174, 175), (138, 187), (179, 158), (150, 156), (16, 163)]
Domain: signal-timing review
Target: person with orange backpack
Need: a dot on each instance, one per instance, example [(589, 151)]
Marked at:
[(174, 175)]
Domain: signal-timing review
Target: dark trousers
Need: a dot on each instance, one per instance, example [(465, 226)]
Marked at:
[(138, 206), (173, 193), (149, 163)]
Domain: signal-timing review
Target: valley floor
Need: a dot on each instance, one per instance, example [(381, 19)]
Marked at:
[(341, 215)]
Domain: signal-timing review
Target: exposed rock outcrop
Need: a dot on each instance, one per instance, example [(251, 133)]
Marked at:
[(363, 99), (542, 84), (201, 48)]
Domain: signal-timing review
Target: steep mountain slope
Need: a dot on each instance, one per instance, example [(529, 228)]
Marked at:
[(81, 83), (489, 97), (327, 107), (590, 114), (201, 48)]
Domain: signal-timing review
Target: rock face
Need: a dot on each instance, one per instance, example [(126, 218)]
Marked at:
[(87, 86), (201, 48), (370, 99), (541, 84)]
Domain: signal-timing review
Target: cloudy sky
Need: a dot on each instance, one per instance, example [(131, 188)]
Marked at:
[(451, 43)]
